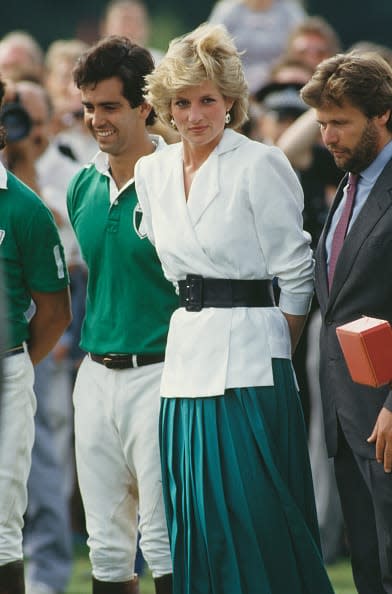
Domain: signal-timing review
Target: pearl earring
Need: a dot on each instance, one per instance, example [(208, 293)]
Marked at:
[(227, 118), (173, 124)]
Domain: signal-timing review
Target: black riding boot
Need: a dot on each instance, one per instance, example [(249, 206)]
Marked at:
[(12, 578), (129, 587), (164, 584)]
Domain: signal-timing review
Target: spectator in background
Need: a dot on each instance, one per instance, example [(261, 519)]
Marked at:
[(67, 118), (319, 177), (34, 270), (318, 173), (260, 29), (21, 57), (285, 73), (60, 58), (48, 534), (279, 106), (129, 18), (288, 70), (312, 41)]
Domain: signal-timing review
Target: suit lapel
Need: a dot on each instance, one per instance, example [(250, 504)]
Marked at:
[(321, 275), (377, 203)]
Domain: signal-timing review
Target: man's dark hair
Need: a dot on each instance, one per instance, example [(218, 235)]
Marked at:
[(117, 56), (3, 134)]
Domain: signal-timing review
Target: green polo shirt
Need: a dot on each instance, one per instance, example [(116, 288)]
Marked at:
[(129, 302), (30, 250)]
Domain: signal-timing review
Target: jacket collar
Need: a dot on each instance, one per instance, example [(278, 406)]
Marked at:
[(206, 183)]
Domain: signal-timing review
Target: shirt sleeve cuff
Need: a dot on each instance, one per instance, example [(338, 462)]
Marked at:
[(295, 304)]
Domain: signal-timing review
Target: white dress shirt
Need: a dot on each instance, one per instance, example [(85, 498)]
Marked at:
[(242, 220)]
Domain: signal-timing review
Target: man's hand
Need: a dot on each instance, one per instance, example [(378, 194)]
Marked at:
[(382, 437)]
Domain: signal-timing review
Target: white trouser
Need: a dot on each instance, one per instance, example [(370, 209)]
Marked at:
[(118, 466), (329, 511), (17, 408)]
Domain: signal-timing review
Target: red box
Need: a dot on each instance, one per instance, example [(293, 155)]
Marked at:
[(367, 348)]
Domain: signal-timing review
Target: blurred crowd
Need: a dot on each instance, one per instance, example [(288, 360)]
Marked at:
[(48, 143)]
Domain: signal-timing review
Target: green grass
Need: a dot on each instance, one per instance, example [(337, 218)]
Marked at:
[(341, 577), (340, 574)]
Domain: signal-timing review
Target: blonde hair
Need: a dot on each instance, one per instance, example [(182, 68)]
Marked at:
[(207, 53)]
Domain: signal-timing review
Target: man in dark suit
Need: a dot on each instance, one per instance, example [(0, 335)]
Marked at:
[(352, 96)]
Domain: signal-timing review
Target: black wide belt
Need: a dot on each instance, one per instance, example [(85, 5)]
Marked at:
[(14, 351), (197, 292), (113, 361)]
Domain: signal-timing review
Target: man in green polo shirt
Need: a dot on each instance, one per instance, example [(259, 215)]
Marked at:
[(128, 307), (34, 269)]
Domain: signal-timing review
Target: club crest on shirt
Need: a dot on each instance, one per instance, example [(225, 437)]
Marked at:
[(2, 235), (138, 222)]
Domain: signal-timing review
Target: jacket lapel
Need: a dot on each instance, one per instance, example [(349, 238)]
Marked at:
[(377, 203), (204, 188), (206, 183), (321, 273)]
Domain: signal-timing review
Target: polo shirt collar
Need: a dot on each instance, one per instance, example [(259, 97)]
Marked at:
[(101, 159), (101, 164), (3, 177)]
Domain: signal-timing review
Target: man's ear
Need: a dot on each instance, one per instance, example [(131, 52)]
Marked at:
[(144, 110), (384, 118)]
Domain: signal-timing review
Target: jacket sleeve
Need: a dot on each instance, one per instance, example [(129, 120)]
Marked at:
[(277, 201)]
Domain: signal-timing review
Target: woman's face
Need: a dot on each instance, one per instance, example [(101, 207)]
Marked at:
[(199, 114)]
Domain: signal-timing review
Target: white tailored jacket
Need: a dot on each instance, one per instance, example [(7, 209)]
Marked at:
[(242, 220)]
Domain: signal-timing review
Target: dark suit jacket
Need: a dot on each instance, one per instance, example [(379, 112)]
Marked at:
[(362, 285)]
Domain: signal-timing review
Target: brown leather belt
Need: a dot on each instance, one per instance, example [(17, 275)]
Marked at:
[(113, 361)]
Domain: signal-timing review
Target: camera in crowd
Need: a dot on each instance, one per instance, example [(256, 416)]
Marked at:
[(16, 120)]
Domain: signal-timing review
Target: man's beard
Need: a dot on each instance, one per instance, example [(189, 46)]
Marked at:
[(364, 153)]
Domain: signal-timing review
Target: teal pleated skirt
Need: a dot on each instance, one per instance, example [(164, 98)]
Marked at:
[(238, 492)]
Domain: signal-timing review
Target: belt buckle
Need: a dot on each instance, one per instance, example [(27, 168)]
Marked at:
[(194, 292), (108, 362)]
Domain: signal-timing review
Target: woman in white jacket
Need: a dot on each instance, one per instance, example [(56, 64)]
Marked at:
[(224, 213)]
